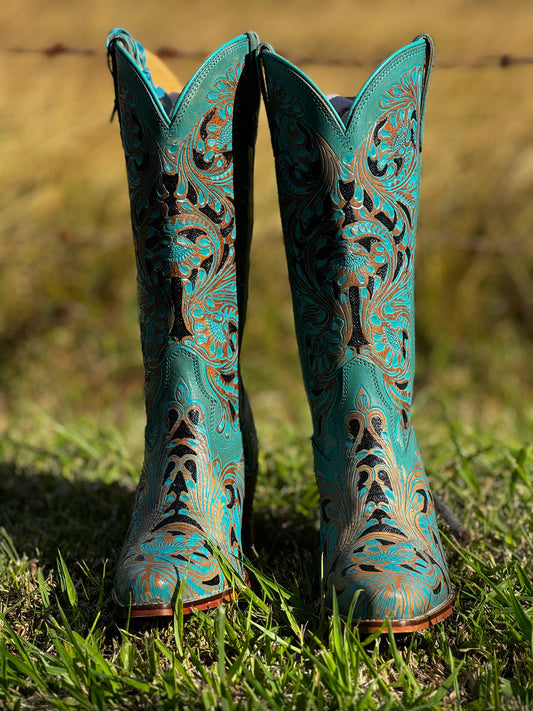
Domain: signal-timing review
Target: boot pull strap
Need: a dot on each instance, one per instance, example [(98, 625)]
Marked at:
[(132, 47), (111, 65), (263, 47), (253, 41), (427, 71)]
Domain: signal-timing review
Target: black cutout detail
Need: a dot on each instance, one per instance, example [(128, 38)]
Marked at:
[(213, 581), (367, 242), (371, 461), (192, 195), (405, 419), (376, 495), (361, 479), (206, 264), (386, 221), (181, 450), (373, 167), (172, 418), (212, 215), (384, 477), (398, 238), (194, 416), (227, 230), (224, 257), (377, 424), (179, 329), (382, 271), (231, 490), (383, 528), (170, 183), (199, 161), (398, 264), (183, 431), (406, 211), (357, 339), (190, 466), (207, 119), (347, 190), (406, 566), (191, 233), (425, 497), (349, 215), (354, 426), (367, 442), (378, 128)]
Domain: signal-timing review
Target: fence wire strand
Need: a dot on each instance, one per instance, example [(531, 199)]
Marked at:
[(480, 243), (505, 60)]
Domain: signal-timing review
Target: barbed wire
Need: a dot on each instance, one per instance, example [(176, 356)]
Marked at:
[(505, 60), (479, 243)]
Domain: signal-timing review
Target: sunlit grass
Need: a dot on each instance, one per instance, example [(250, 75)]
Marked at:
[(276, 647)]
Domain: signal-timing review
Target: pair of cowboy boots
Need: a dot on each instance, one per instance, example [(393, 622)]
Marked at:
[(348, 175)]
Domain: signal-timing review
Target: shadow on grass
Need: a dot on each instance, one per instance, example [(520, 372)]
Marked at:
[(286, 545), (44, 512)]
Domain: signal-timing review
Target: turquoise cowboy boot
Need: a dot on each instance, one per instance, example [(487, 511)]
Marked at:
[(348, 175), (186, 154)]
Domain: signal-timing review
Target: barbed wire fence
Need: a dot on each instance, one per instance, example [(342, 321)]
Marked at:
[(504, 61)]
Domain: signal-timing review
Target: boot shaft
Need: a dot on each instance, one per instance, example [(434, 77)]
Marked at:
[(185, 155), (348, 194)]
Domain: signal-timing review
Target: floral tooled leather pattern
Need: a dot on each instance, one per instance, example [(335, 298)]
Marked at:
[(349, 221), (189, 500), (179, 530), (184, 227), (379, 530)]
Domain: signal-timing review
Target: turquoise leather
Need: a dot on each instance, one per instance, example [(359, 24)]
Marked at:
[(348, 196), (189, 168)]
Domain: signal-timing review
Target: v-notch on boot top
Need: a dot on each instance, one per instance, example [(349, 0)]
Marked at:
[(189, 160), (348, 193)]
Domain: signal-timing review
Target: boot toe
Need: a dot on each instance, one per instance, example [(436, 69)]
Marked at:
[(404, 585), (139, 582), (153, 581)]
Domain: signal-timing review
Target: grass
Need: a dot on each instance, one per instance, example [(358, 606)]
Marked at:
[(71, 408), (275, 647)]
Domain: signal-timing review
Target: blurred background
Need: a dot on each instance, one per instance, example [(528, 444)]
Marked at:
[(69, 339)]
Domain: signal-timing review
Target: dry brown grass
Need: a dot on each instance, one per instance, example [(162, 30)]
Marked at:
[(68, 339)]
